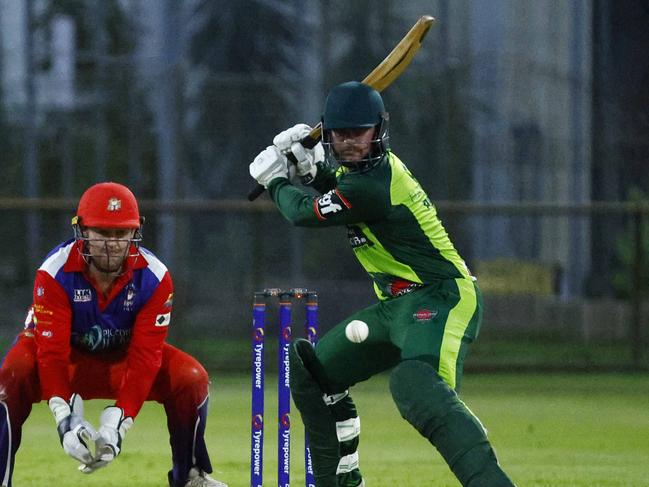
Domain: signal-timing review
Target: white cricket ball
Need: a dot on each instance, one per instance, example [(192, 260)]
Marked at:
[(356, 331)]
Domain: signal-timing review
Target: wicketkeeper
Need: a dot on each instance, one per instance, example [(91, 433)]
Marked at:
[(96, 329), (429, 308)]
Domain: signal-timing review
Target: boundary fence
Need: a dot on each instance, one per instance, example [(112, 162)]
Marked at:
[(636, 213)]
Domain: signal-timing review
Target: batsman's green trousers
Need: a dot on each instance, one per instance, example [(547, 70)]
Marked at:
[(434, 324)]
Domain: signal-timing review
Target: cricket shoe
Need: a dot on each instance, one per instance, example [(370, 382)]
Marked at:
[(198, 478), (361, 484), (350, 482)]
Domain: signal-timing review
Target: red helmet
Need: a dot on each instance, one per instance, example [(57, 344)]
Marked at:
[(108, 205)]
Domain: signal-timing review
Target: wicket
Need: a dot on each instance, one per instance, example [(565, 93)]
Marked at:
[(283, 386)]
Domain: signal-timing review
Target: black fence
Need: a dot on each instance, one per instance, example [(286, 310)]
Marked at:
[(539, 314)]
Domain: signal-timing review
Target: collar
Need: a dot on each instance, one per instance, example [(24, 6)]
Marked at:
[(76, 263), (365, 165)]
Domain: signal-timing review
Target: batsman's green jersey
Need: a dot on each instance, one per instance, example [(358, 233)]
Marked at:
[(392, 225), (395, 233)]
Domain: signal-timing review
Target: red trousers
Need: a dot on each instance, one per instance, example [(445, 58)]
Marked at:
[(181, 386)]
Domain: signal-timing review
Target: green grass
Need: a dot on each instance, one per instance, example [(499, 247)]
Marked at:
[(489, 353), (548, 431)]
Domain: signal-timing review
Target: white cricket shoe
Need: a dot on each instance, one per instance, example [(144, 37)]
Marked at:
[(197, 478)]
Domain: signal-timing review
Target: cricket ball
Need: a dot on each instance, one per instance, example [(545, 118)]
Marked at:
[(356, 331)]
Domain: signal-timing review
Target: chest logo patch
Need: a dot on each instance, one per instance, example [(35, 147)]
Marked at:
[(128, 302), (82, 295)]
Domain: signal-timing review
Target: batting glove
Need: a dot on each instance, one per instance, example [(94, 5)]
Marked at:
[(76, 434), (288, 141), (285, 140), (108, 442), (268, 165)]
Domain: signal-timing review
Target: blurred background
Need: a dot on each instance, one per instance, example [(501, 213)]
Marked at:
[(527, 121)]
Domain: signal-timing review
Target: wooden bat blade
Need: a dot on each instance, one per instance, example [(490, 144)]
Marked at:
[(398, 60), (389, 69), (380, 78)]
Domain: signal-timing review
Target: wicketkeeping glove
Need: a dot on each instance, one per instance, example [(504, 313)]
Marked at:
[(108, 442), (288, 141), (76, 434)]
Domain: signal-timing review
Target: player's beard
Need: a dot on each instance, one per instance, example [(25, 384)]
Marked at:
[(109, 262), (352, 152)]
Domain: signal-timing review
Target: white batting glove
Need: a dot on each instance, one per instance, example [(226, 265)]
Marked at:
[(268, 165), (288, 141), (108, 443), (76, 434), (284, 140)]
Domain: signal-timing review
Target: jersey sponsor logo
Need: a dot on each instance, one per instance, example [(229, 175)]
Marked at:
[(82, 295), (330, 203), (424, 315), (163, 319), (40, 291), (357, 238), (97, 338)]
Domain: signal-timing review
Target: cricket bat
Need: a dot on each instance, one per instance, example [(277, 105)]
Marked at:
[(380, 78)]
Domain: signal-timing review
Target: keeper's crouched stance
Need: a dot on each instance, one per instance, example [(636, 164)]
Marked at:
[(96, 330), (429, 307)]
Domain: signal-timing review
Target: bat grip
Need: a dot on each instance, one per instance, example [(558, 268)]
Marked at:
[(312, 139), (255, 192)]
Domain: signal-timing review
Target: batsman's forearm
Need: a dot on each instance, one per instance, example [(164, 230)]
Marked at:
[(293, 203)]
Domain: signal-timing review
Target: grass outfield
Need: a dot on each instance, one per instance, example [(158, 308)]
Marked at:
[(548, 431)]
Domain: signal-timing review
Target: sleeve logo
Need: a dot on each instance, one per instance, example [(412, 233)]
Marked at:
[(163, 319), (330, 203)]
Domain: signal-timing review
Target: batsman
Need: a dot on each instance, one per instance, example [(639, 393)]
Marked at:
[(429, 307)]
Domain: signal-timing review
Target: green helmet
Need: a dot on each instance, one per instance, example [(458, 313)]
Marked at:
[(353, 105)]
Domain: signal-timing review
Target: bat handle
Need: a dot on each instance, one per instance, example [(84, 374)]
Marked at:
[(255, 192), (309, 142), (312, 139)]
